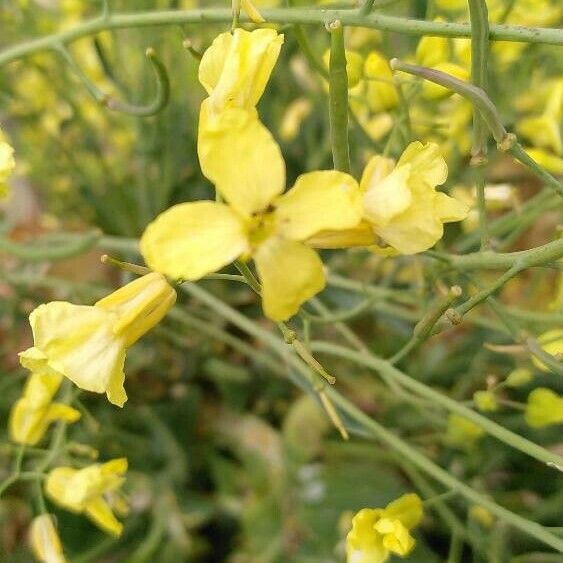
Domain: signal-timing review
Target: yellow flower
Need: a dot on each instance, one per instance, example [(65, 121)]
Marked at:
[(552, 343), (294, 115), (381, 93), (551, 162), (354, 66), (88, 344), (250, 9), (92, 491), (191, 240), (485, 401), (544, 408), (7, 164), (34, 412), (432, 91), (431, 51), (401, 202), (236, 68), (45, 541), (462, 432), (377, 533), (519, 377)]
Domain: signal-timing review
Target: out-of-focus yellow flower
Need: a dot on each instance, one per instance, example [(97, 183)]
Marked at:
[(379, 532), (544, 131), (433, 50), (32, 414), (294, 115), (552, 343), (381, 92), (92, 491), (249, 8), (485, 401), (191, 240), (519, 377), (432, 91), (354, 66), (451, 5), (551, 162), (544, 408), (88, 344), (462, 432), (236, 68), (481, 515), (7, 164), (45, 541)]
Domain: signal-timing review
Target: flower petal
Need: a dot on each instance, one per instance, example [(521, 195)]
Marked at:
[(389, 197), (191, 240), (450, 209), (78, 342), (427, 163), (361, 235), (240, 156), (99, 511), (291, 273), (325, 200), (236, 67)]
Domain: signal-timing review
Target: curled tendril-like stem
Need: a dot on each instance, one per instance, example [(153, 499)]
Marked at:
[(162, 86)]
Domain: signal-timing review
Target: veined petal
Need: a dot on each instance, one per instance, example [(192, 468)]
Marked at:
[(191, 240), (236, 67), (240, 156), (450, 209), (319, 201), (389, 197), (291, 273), (427, 163), (78, 342)]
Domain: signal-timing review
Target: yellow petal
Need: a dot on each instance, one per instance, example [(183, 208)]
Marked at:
[(57, 487), (396, 537), (45, 541), (237, 67), (427, 163), (99, 511), (551, 162), (319, 201), (191, 240), (449, 209), (291, 273), (361, 235), (41, 387), (388, 198), (381, 93), (407, 509), (377, 168), (433, 91), (139, 305), (240, 156), (363, 543), (78, 342)]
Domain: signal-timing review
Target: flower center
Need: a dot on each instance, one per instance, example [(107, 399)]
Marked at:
[(262, 227)]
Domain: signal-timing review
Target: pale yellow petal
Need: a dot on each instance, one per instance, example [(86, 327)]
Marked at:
[(319, 201), (237, 67), (78, 342), (377, 168), (251, 11), (450, 209), (427, 163), (389, 197), (191, 240), (240, 156), (361, 235), (291, 273)]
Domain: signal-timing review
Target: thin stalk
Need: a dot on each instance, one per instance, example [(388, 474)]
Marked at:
[(338, 99)]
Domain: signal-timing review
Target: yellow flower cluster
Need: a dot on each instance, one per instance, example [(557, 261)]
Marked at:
[(324, 209), (7, 164), (379, 532), (87, 345)]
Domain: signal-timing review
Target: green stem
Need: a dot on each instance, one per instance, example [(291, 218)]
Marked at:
[(492, 428), (314, 16), (479, 17), (338, 99)]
